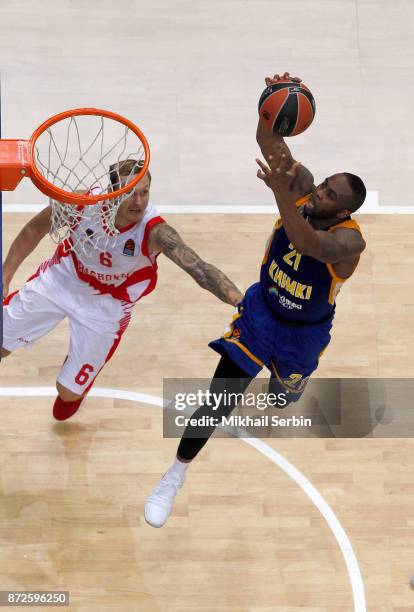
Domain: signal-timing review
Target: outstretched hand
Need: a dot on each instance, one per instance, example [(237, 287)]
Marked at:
[(279, 176)]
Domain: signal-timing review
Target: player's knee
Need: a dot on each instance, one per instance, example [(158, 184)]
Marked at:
[(4, 353), (66, 394)]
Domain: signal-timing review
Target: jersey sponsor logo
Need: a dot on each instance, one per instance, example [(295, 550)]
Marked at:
[(296, 289), (103, 277), (129, 247), (286, 303)]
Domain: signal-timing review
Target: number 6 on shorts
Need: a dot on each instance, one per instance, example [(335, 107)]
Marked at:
[(83, 375)]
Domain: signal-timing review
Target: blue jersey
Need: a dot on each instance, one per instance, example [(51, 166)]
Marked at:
[(297, 287)]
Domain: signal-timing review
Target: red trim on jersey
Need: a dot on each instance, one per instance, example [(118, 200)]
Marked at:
[(121, 231), (127, 227), (151, 287), (148, 227), (59, 253), (9, 297), (119, 292), (123, 324)]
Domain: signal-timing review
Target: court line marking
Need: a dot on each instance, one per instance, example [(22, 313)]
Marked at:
[(371, 206), (307, 487)]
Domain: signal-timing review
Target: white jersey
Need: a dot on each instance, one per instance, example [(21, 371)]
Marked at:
[(96, 291), (126, 270)]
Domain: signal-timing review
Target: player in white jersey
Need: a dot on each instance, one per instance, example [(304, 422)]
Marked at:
[(95, 289)]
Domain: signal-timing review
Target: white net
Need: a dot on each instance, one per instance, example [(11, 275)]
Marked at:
[(88, 154), (95, 225)]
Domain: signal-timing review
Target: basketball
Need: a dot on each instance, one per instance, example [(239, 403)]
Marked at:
[(287, 107)]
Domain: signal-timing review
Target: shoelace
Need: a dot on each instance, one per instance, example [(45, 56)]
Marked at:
[(167, 481)]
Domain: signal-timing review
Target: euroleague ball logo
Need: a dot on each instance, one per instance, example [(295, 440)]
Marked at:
[(287, 107)]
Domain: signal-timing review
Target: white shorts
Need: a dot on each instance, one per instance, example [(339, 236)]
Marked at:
[(96, 324)]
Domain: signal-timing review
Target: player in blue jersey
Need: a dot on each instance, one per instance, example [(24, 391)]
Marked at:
[(284, 320)]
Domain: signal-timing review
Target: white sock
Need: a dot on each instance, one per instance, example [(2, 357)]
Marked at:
[(179, 467)]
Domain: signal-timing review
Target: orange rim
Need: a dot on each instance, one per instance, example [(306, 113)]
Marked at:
[(69, 197)]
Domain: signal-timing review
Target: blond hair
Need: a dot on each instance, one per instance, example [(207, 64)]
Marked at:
[(125, 168)]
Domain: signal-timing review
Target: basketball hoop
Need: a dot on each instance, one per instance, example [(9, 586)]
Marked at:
[(60, 170), (78, 159)]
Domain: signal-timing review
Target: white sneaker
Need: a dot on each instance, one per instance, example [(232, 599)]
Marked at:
[(160, 502)]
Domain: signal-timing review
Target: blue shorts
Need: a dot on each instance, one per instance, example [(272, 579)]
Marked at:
[(257, 338)]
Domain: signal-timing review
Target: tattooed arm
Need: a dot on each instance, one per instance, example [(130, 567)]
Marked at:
[(166, 239)]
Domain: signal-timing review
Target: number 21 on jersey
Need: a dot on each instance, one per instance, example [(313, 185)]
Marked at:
[(293, 257)]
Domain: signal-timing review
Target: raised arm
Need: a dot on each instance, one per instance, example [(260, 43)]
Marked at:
[(166, 239), (328, 247), (274, 146), (24, 243)]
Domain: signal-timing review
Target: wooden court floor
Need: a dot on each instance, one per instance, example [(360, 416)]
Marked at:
[(243, 536)]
